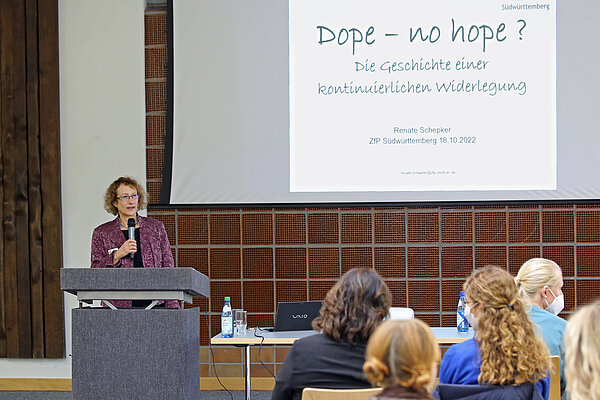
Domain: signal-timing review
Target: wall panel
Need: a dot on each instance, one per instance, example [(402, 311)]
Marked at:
[(31, 302)]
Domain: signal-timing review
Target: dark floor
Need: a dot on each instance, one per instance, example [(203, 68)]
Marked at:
[(204, 394)]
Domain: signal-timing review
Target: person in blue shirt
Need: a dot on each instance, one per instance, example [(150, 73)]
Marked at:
[(540, 282), (506, 350)]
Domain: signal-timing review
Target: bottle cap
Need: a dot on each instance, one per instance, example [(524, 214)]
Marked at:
[(462, 293), (227, 299)]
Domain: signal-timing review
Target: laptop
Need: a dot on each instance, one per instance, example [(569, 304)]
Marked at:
[(296, 315)]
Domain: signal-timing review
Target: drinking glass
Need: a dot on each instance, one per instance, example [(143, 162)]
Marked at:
[(240, 321), (233, 315)]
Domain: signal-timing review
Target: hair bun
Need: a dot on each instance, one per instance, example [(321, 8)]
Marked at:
[(422, 380), (375, 370)]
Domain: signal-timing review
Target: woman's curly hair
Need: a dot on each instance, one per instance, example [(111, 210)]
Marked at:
[(582, 345), (354, 307), (110, 196), (510, 350), (402, 353)]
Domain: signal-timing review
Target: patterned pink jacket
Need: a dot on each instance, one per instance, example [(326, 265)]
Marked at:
[(154, 243)]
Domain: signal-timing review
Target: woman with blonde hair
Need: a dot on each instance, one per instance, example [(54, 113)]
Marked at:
[(401, 357), (333, 358), (539, 283), (506, 353), (582, 353)]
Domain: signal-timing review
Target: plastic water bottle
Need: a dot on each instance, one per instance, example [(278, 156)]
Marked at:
[(227, 319), (461, 321)]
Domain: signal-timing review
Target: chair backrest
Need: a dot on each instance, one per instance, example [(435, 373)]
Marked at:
[(338, 394), (554, 378), (401, 313)]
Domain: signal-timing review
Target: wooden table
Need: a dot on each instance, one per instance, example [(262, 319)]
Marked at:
[(256, 336)]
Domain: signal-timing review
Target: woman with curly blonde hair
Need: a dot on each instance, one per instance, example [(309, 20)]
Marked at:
[(401, 358), (582, 353), (333, 358), (506, 352)]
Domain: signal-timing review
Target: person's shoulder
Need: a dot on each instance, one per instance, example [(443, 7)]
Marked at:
[(561, 322), (106, 227), (462, 349), (543, 317), (322, 342), (312, 340), (466, 345), (148, 222), (323, 339)]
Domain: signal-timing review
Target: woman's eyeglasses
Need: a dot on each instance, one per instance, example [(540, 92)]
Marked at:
[(126, 197)]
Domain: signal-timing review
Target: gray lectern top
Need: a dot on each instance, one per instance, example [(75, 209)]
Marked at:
[(134, 283)]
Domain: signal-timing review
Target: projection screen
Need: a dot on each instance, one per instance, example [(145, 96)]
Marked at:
[(383, 101)]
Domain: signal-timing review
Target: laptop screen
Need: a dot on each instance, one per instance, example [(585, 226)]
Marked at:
[(296, 315)]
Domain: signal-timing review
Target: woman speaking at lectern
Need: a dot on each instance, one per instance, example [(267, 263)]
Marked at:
[(112, 246)]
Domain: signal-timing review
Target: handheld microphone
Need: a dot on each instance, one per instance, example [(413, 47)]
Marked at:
[(131, 231)]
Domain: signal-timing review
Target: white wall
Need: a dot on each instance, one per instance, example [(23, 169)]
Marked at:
[(102, 122)]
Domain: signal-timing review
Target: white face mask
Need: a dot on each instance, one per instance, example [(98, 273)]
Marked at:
[(474, 322), (557, 305)]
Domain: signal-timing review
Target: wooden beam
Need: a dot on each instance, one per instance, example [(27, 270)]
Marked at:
[(64, 385), (21, 181), (7, 114), (34, 175), (34, 385), (211, 383), (50, 156), (2, 271)]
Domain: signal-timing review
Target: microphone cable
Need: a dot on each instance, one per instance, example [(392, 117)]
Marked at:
[(262, 339)]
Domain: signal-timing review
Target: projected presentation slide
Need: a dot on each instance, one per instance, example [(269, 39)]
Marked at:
[(422, 95), (383, 101)]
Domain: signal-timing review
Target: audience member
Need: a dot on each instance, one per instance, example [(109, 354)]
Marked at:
[(334, 357), (401, 357), (540, 282), (582, 353), (506, 358)]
